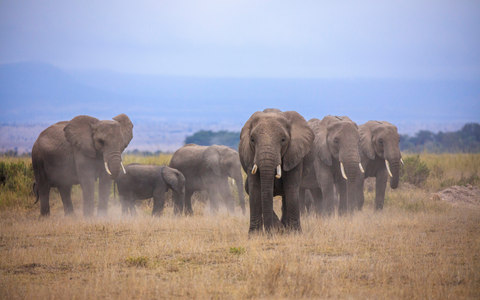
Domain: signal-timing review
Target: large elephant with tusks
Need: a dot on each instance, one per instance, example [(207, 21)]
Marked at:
[(78, 152), (272, 147), (381, 158)]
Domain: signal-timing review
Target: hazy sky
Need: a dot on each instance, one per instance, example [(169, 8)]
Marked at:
[(393, 39)]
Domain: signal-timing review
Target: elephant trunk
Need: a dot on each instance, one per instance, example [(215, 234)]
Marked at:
[(392, 162), (267, 160), (266, 191), (113, 163), (395, 170), (352, 170), (350, 160)]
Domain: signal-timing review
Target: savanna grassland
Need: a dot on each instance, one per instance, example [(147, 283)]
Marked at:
[(418, 247)]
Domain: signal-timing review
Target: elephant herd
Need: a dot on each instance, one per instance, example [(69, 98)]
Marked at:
[(281, 153)]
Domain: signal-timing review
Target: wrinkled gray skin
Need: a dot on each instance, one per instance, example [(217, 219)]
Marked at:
[(269, 139), (207, 168), (336, 140), (75, 152), (147, 181), (379, 141)]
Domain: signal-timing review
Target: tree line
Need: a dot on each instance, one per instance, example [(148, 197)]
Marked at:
[(466, 140)]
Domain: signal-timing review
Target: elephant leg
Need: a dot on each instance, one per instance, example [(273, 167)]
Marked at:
[(158, 201), (65, 194), (86, 176), (131, 207), (302, 201), (316, 200), (291, 188), (44, 196), (341, 187), (104, 187), (88, 189), (188, 202), (326, 203), (214, 198), (125, 205), (178, 203), (380, 187), (227, 197), (256, 220)]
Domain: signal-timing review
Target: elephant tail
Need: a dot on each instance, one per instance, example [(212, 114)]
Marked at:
[(35, 191)]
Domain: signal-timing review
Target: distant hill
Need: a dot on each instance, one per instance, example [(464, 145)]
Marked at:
[(35, 92)]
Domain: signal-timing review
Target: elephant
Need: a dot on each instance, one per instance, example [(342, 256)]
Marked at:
[(147, 181), (272, 147), (78, 152), (381, 157), (333, 161), (207, 168)]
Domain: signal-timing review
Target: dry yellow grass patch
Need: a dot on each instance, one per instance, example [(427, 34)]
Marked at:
[(431, 253), (418, 247)]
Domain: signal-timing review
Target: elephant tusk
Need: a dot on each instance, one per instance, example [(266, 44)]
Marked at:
[(388, 168), (279, 172), (361, 167), (401, 160), (107, 169), (123, 168), (343, 171), (254, 170)]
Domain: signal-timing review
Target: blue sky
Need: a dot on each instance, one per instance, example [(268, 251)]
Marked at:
[(411, 39)]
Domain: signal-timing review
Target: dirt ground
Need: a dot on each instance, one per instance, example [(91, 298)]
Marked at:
[(460, 195)]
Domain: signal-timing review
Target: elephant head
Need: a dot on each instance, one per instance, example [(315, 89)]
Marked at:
[(272, 142), (224, 161), (105, 139), (381, 140), (336, 139)]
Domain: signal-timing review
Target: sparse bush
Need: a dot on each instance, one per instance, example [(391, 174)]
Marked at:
[(415, 171), (138, 261), (237, 250)]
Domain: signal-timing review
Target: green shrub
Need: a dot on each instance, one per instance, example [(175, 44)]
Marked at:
[(414, 171), (237, 250), (16, 183), (138, 261)]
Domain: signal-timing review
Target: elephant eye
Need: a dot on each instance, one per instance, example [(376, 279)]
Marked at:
[(283, 140), (335, 140), (380, 141), (252, 140), (101, 142)]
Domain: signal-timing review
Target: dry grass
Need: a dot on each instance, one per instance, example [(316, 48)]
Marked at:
[(416, 248)]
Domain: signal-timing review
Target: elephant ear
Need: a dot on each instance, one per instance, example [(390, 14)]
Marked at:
[(126, 127), (366, 143), (301, 140), (79, 133), (244, 149), (211, 158)]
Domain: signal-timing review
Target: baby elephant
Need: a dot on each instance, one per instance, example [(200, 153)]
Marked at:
[(147, 181)]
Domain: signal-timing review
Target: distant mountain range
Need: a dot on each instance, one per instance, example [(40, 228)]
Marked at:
[(37, 93)]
